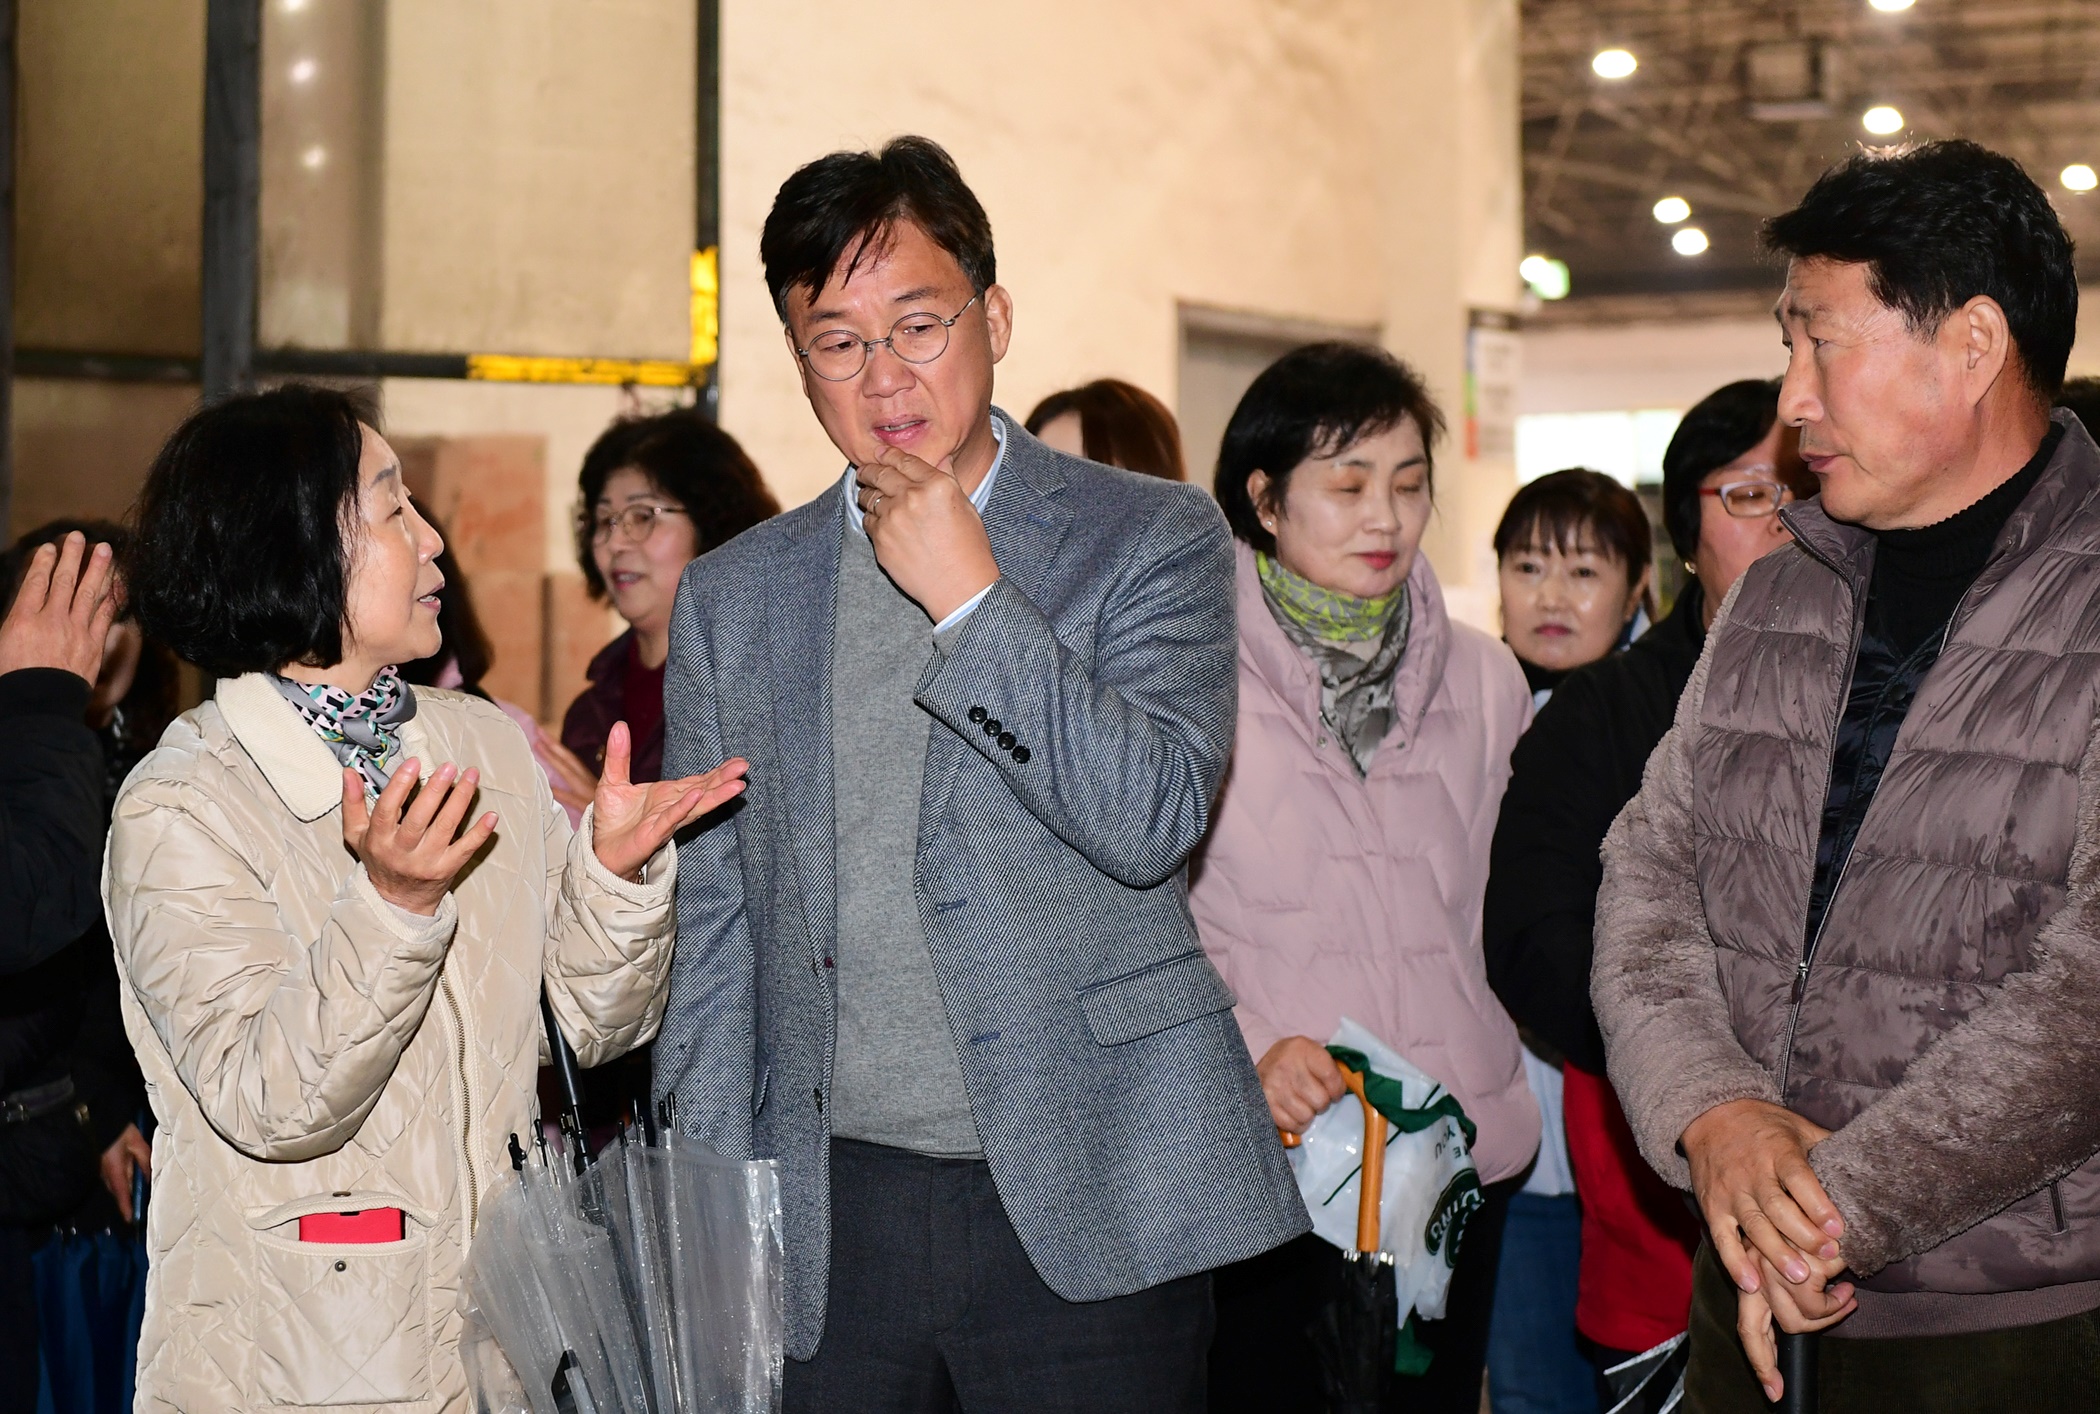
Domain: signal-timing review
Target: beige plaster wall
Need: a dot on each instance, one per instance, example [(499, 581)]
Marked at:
[(1346, 161), (538, 176)]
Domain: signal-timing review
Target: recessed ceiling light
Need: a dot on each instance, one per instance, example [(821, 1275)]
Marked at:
[(303, 70), (314, 158), (1614, 64), (1547, 277), (1672, 209), (1881, 120), (1689, 240), (1891, 6), (2079, 177)]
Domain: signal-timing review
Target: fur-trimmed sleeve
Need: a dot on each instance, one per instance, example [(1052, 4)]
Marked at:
[(1670, 1044), (1999, 1106)]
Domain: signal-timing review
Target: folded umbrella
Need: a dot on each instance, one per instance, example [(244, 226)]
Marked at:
[(1357, 1328)]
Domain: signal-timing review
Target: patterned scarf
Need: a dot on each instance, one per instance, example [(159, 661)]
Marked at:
[(1356, 644), (363, 731), (1326, 615)]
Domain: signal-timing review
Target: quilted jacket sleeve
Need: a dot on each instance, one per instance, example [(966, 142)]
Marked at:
[(1672, 1048), (285, 1041), (608, 956)]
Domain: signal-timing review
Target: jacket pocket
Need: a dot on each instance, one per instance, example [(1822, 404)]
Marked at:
[(341, 1322), (1154, 998)]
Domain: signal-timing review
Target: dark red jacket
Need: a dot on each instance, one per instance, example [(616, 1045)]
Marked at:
[(591, 716)]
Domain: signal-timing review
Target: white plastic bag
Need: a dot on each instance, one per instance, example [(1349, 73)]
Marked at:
[(1431, 1185)]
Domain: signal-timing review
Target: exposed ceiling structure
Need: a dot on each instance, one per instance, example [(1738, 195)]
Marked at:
[(1736, 105)]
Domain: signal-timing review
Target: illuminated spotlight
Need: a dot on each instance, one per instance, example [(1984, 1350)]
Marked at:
[(304, 70), (1614, 64), (1689, 240), (1672, 209), (2079, 177), (1881, 120), (1547, 277), (1890, 7), (293, 7), (314, 158)]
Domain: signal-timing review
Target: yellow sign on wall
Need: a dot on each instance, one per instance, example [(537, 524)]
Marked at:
[(707, 306)]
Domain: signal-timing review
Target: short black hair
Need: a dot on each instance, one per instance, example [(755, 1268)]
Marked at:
[(1937, 224), (2082, 397), (238, 542), (1313, 402), (1721, 426), (690, 460), (1577, 509), (845, 206)]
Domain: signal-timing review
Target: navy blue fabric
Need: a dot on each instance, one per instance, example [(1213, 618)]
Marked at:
[(91, 1298), (1118, 1108), (1534, 1363)]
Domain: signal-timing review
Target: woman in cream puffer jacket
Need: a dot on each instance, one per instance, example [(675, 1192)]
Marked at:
[(335, 1000)]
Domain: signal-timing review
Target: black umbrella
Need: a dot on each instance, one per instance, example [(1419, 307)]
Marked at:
[(1356, 1328), (1797, 1373)]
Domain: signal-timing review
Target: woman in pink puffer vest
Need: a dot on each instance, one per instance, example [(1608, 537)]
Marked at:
[(1345, 871)]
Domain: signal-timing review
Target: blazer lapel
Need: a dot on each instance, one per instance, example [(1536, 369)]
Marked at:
[(803, 609)]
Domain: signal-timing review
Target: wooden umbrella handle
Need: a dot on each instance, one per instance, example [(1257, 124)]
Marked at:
[(1372, 1187)]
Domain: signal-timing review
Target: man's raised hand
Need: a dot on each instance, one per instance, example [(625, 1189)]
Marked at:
[(62, 613), (927, 536)]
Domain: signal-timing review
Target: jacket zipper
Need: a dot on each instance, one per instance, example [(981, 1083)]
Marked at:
[(1808, 955), (466, 1102)]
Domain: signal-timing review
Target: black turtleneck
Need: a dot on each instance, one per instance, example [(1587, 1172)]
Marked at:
[(1920, 575), (1919, 579)]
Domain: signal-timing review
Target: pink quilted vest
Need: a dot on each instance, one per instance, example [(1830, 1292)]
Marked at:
[(1319, 895)]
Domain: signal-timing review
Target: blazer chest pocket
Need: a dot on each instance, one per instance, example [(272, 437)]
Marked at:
[(341, 1322), (1154, 998)]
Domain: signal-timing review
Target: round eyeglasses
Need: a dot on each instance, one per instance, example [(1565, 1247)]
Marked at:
[(839, 354), (1749, 500), (635, 524)]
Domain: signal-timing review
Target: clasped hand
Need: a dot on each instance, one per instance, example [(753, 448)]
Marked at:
[(928, 538), (413, 850), (1774, 1229)]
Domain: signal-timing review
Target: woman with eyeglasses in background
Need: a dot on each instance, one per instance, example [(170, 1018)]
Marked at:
[(1730, 468), (657, 493)]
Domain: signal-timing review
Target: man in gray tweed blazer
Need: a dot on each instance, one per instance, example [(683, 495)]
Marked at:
[(939, 961)]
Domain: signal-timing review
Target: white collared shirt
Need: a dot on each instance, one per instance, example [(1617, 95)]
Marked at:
[(978, 498)]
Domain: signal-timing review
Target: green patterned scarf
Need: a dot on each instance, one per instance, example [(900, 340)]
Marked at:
[(1356, 646), (1335, 618)]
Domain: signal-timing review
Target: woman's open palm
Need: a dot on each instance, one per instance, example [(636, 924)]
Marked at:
[(631, 822)]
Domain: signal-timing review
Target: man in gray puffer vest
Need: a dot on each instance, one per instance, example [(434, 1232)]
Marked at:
[(1848, 943)]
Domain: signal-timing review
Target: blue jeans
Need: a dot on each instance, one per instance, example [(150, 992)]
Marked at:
[(1534, 1364)]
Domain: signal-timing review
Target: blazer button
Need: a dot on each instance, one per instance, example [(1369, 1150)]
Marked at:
[(992, 727), (978, 714), (819, 1093), (1006, 741), (1021, 756)]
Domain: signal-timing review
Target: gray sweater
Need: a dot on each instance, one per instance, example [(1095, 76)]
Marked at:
[(895, 1077)]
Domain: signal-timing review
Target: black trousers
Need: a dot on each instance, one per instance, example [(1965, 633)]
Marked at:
[(935, 1307), (2052, 1368), (1262, 1360)]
